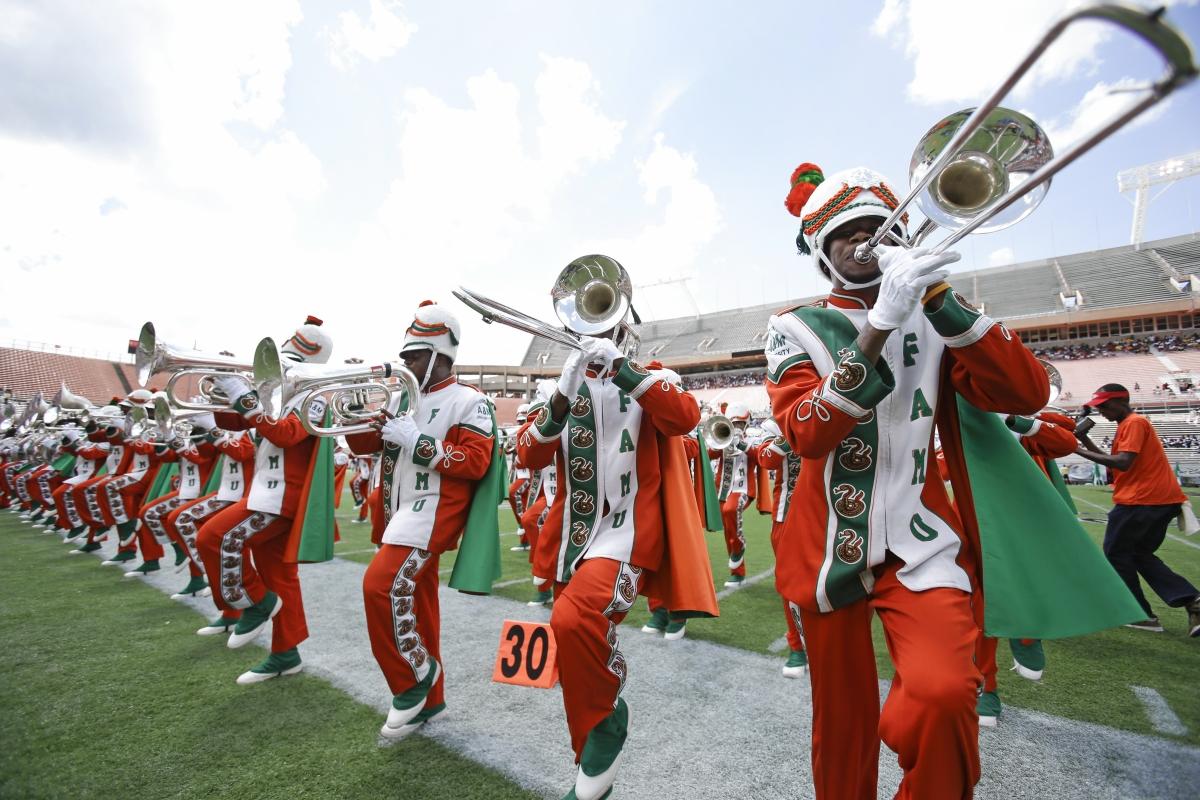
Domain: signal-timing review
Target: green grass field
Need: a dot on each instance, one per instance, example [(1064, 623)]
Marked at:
[(106, 693), (103, 697)]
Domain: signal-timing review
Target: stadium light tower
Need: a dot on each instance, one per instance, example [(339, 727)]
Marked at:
[(1140, 180)]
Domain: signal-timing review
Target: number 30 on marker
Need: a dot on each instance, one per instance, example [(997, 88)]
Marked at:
[(527, 655)]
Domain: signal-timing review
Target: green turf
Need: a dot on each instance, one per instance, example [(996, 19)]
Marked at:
[(106, 692)]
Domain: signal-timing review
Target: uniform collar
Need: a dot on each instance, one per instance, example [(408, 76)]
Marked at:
[(855, 299), (437, 387)]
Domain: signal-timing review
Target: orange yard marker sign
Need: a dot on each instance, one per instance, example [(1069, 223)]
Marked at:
[(527, 655)]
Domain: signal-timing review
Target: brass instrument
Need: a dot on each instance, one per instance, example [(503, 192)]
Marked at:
[(989, 167), (356, 394), (592, 295), (154, 356), (1056, 385), (717, 432), (67, 407)]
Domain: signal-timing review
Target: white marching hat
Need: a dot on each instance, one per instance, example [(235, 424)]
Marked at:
[(737, 412), (433, 328), (309, 343)]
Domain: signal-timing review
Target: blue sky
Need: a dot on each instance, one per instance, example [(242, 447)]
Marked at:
[(225, 168)]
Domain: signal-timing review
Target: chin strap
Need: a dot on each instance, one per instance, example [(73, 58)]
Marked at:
[(846, 283)]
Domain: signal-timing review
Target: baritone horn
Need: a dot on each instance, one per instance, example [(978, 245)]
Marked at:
[(717, 432), (989, 167), (592, 295), (354, 395), (154, 356)]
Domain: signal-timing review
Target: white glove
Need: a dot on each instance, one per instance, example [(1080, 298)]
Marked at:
[(233, 387), (906, 276), (601, 351), (572, 374), (402, 431), (546, 388)]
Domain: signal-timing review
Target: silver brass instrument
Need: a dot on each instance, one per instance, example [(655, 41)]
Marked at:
[(170, 421), (356, 393), (592, 295), (1056, 385), (986, 168), (717, 432), (66, 406), (154, 356)]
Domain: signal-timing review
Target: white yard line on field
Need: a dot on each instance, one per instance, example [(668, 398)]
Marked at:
[(1159, 712), (762, 576)]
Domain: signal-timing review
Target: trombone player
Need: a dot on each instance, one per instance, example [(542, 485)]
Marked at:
[(613, 431), (267, 586)]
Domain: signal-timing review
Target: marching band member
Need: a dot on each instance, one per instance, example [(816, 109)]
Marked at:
[(518, 490), (106, 437), (88, 460), (775, 454), (267, 523), (196, 460), (433, 462), (858, 406), (737, 477), (543, 484), (235, 464), (612, 428)]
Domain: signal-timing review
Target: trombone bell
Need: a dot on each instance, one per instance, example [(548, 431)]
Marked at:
[(717, 432), (1000, 155), (154, 356)]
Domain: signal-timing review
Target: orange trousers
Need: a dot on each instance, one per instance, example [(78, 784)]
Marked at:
[(791, 613), (239, 582), (731, 518), (152, 535), (404, 623), (516, 500), (929, 717), (591, 669), (531, 524), (182, 526)]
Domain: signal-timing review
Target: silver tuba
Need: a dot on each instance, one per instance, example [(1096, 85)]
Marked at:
[(154, 356), (985, 168), (354, 394), (1056, 385), (592, 295)]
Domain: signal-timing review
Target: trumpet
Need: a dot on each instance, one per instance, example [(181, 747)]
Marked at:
[(592, 295), (354, 394), (987, 168), (717, 432), (170, 422), (154, 356)]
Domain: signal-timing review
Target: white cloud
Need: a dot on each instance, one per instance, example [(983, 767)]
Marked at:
[(1100, 104), (1001, 257), (387, 31), (171, 203), (943, 39)]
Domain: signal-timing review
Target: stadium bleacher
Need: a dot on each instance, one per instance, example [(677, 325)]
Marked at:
[(1105, 279), (25, 372)]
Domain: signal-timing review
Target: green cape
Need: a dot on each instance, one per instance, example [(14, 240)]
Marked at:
[(712, 508), (316, 532), (1043, 577), (162, 481), (478, 563)]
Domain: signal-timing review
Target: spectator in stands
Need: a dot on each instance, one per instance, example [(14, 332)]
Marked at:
[(1146, 497)]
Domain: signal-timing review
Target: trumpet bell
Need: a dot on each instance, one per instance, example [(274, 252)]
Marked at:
[(998, 157), (1056, 381), (592, 295)]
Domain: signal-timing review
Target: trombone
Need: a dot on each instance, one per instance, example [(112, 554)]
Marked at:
[(592, 295), (717, 431), (154, 356), (354, 394), (975, 165)]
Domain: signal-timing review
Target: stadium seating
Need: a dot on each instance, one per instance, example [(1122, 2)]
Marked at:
[(1110, 278), (28, 371)]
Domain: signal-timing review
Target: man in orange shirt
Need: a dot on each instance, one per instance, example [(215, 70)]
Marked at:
[(1146, 497)]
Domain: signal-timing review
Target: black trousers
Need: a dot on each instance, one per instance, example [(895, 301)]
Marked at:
[(1132, 536)]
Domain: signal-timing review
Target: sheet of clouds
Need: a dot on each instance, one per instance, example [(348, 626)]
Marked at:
[(1100, 104), (383, 34), (169, 203), (942, 38), (1001, 257)]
